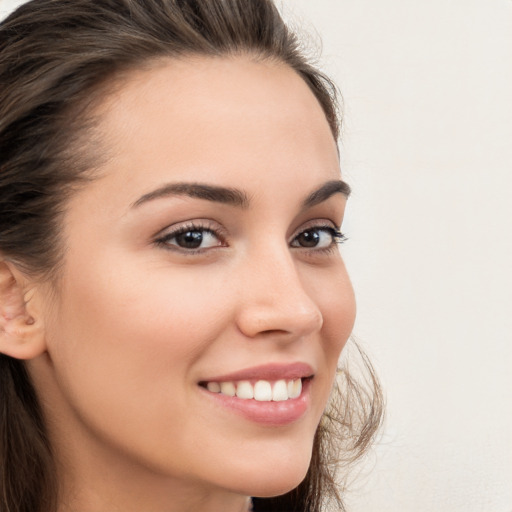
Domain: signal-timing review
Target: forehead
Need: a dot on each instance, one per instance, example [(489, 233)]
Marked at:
[(216, 120)]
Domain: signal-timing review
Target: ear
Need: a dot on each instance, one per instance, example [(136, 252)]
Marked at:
[(21, 324)]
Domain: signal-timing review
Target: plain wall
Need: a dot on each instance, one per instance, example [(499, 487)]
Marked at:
[(427, 148)]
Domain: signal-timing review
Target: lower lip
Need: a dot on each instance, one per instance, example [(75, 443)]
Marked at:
[(266, 413)]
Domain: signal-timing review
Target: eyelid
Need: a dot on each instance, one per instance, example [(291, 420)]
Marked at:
[(174, 230), (164, 236), (316, 223), (336, 237), (206, 224)]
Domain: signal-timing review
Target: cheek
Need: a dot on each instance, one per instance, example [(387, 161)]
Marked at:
[(124, 347), (133, 310), (336, 300), (333, 293), (124, 339)]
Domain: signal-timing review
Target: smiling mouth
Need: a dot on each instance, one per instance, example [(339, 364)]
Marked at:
[(259, 390)]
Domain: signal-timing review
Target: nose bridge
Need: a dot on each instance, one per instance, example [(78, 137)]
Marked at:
[(274, 299)]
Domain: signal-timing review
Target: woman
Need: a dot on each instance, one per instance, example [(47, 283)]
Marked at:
[(173, 300)]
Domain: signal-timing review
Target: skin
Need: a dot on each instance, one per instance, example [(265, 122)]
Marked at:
[(134, 325)]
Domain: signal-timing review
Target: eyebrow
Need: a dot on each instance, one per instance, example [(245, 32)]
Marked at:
[(236, 197), (327, 190), (231, 196)]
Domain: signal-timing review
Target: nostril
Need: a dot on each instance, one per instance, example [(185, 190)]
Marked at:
[(273, 332)]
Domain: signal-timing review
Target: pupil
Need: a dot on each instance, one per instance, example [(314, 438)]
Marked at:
[(309, 238), (190, 239)]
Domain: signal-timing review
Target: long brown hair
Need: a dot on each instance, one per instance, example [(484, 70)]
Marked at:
[(55, 58)]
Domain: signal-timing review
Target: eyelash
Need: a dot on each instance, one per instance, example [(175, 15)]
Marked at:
[(337, 238), (191, 227)]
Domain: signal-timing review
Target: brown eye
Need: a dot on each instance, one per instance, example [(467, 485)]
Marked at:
[(309, 238), (189, 239), (317, 238)]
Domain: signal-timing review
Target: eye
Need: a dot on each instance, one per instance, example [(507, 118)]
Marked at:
[(190, 238), (318, 237)]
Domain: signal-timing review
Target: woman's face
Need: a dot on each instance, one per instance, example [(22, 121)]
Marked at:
[(204, 255)]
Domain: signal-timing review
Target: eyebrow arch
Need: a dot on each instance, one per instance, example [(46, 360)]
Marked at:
[(230, 196), (325, 192), (235, 197)]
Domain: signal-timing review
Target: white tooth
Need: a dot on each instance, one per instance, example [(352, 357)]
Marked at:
[(263, 391), (227, 388), (279, 392), (289, 387), (214, 387), (245, 390), (296, 388)]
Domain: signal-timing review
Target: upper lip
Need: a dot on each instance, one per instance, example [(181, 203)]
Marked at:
[(272, 371)]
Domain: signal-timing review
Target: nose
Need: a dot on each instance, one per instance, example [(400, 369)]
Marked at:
[(273, 300)]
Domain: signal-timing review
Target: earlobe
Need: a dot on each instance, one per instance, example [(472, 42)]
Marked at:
[(21, 324)]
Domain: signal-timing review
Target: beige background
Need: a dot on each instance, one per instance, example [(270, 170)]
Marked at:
[(428, 150), (427, 147)]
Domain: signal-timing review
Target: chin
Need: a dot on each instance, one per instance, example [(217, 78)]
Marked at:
[(274, 478), (280, 486)]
